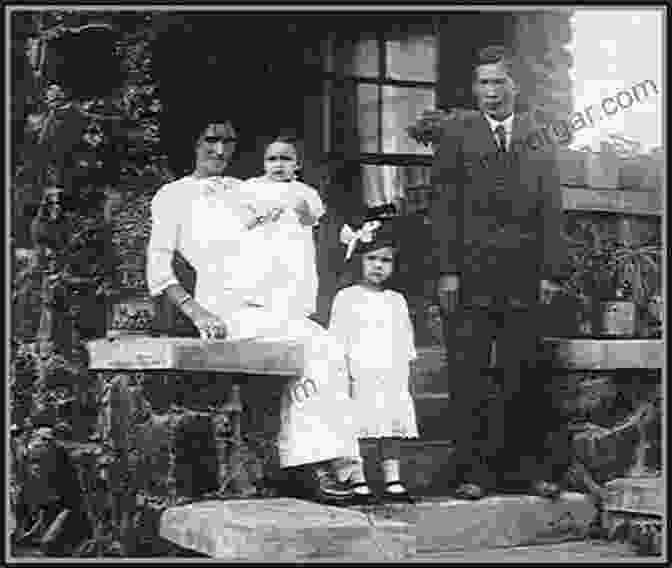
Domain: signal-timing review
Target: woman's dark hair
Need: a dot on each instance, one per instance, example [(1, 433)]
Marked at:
[(199, 127), (180, 136)]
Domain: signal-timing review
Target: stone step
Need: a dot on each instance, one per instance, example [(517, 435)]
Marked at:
[(290, 529), (638, 495), (281, 529), (442, 524), (634, 511)]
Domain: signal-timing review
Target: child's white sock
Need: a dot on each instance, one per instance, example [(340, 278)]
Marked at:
[(357, 476), (342, 468), (352, 470), (391, 476)]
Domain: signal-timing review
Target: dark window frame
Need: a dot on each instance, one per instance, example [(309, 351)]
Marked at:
[(381, 80)]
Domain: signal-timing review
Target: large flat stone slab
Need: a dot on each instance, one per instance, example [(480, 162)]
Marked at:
[(141, 352), (281, 530), (291, 529), (442, 524)]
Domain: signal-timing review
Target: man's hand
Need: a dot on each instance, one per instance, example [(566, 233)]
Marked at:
[(548, 290), (447, 290), (448, 283)]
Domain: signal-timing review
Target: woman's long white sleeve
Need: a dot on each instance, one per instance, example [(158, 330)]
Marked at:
[(163, 242)]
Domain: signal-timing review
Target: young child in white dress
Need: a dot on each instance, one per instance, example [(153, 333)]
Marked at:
[(373, 324), (283, 212)]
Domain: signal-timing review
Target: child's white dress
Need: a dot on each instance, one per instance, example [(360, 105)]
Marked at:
[(375, 329), (289, 242)]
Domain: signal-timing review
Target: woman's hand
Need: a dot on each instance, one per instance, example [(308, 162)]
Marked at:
[(208, 324)]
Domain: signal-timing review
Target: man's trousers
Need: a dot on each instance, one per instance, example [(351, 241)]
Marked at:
[(502, 407)]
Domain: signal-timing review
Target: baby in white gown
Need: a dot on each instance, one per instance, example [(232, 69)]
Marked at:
[(283, 212)]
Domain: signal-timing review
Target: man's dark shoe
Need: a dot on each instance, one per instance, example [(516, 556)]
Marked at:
[(546, 489), (470, 491)]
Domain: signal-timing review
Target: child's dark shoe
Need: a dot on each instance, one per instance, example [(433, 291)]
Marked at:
[(400, 495), (362, 497), (470, 491)]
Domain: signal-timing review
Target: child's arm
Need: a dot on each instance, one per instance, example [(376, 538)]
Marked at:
[(407, 326), (309, 207)]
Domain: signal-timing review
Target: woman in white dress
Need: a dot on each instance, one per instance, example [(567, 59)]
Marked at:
[(373, 324), (204, 218)]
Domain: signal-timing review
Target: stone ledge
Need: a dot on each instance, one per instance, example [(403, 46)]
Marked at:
[(291, 529), (605, 354), (625, 201), (145, 353)]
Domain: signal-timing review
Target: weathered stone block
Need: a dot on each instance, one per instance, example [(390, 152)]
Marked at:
[(277, 529), (443, 525), (640, 494)]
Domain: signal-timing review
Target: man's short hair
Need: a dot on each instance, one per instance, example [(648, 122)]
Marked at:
[(493, 54)]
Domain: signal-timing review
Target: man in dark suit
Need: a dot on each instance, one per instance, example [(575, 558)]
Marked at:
[(497, 222)]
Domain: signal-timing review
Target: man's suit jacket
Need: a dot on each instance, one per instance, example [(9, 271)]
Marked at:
[(497, 222)]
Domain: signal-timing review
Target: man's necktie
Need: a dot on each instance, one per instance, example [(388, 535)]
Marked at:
[(500, 134), (501, 165)]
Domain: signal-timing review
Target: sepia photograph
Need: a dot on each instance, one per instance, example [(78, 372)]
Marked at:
[(335, 283)]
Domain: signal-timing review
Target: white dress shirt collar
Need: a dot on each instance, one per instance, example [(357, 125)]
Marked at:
[(507, 123)]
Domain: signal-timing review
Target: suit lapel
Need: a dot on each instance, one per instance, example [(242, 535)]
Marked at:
[(484, 133), (523, 128)]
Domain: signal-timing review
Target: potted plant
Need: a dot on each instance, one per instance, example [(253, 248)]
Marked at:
[(615, 281), (638, 267)]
